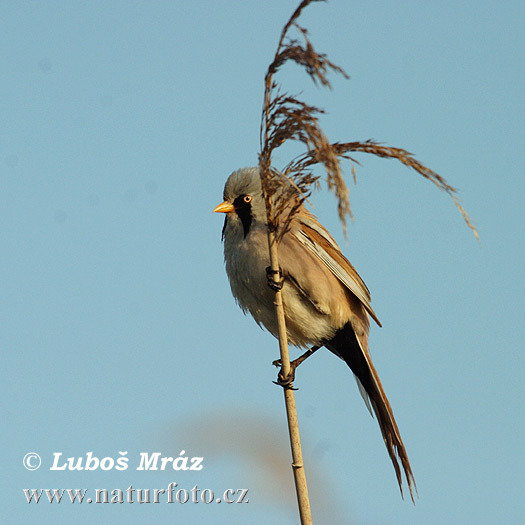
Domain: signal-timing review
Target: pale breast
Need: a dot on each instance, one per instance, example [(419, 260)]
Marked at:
[(246, 262)]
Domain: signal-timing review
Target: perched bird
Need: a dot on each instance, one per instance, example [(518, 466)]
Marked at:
[(325, 301)]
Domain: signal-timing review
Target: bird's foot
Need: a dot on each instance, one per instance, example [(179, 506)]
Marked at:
[(286, 381), (271, 275)]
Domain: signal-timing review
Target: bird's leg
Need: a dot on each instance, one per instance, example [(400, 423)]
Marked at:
[(274, 284), (287, 380)]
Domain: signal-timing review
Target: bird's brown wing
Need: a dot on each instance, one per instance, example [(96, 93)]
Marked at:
[(319, 242)]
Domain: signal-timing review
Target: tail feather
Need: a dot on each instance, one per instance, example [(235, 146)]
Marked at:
[(354, 351)]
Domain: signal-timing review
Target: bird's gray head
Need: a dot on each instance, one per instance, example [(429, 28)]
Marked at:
[(243, 201)]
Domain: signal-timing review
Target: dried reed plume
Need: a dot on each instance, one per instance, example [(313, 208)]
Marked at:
[(285, 117)]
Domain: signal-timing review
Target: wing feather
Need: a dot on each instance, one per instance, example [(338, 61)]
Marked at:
[(319, 242)]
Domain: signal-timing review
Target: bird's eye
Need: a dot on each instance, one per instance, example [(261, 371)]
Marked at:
[(247, 199)]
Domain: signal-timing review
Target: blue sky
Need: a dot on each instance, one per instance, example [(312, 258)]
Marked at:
[(120, 122)]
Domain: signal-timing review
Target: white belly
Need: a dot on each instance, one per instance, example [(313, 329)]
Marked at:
[(246, 264)]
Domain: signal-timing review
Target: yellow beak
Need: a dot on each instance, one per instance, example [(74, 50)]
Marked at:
[(224, 207)]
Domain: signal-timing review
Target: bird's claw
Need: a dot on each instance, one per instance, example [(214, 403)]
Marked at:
[(286, 381), (272, 283)]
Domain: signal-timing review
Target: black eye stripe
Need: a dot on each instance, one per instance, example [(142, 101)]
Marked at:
[(224, 226), (244, 211)]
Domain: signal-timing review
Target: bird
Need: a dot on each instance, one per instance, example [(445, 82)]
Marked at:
[(326, 303)]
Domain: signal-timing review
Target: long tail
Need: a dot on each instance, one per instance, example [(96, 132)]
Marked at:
[(354, 351)]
